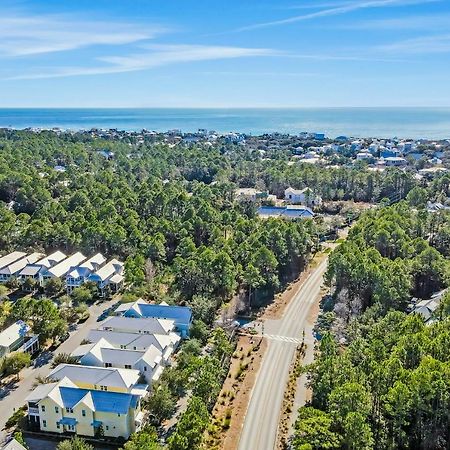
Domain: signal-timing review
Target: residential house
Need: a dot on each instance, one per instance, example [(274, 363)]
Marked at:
[(181, 315), (17, 337), (302, 196), (165, 343), (395, 161), (80, 274), (363, 156), (63, 407), (13, 269), (110, 379), (10, 258), (250, 194), (139, 325), (285, 212), (104, 354), (34, 270), (109, 278), (60, 270)]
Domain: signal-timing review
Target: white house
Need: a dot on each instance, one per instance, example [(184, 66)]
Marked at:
[(302, 196), (60, 270), (79, 274), (13, 269), (165, 343), (104, 354), (109, 277), (149, 325)]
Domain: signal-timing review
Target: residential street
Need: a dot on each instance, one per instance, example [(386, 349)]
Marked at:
[(260, 426), (11, 399)]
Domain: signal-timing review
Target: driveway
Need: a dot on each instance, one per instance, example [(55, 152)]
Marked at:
[(261, 422), (13, 397)]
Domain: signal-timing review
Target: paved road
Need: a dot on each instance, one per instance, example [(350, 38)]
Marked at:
[(261, 422), (11, 399)]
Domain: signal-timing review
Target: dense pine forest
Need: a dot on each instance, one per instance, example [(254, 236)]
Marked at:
[(382, 378)]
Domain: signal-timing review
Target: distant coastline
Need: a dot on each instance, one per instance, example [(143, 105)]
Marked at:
[(406, 122)]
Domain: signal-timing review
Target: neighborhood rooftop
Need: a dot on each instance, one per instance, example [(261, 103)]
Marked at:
[(10, 258)]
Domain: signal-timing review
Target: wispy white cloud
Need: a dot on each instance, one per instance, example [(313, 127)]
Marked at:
[(421, 45), (152, 56), (402, 23), (24, 34), (335, 11)]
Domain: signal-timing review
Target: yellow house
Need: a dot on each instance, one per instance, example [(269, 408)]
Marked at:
[(63, 407)]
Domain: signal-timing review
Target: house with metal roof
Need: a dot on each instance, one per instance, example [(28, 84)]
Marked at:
[(109, 278), (79, 274), (103, 354), (13, 269), (285, 212), (60, 270), (149, 325), (181, 315), (17, 337), (110, 379), (165, 343), (10, 258), (63, 407), (34, 270)]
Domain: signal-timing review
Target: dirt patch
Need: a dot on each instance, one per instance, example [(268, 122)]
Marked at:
[(276, 309), (231, 407)]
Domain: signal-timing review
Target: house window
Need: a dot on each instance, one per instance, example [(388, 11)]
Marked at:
[(56, 410), (83, 413), (44, 423), (104, 388), (118, 415), (107, 427), (127, 366), (108, 365), (43, 408), (145, 368), (69, 410), (57, 425)]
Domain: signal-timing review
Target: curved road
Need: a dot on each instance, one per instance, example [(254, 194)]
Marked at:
[(261, 422)]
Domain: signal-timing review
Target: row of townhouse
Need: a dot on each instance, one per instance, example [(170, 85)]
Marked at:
[(124, 356), (74, 270)]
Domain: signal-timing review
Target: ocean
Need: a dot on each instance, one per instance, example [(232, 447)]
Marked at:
[(416, 123)]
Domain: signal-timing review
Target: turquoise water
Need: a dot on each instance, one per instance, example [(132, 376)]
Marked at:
[(431, 123)]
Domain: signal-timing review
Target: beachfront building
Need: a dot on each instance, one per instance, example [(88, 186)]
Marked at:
[(63, 407), (80, 274)]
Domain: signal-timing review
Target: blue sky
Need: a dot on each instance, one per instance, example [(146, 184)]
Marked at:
[(228, 53)]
